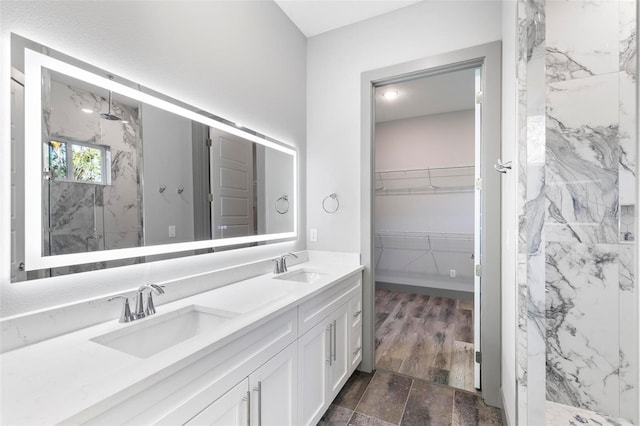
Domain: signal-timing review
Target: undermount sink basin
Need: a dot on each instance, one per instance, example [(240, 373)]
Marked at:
[(155, 334), (302, 275)]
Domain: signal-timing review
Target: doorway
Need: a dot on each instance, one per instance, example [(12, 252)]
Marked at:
[(426, 135), (486, 189)]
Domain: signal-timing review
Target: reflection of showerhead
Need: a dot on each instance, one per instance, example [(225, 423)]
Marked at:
[(109, 116)]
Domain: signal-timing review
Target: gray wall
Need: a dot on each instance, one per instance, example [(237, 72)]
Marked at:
[(244, 61)]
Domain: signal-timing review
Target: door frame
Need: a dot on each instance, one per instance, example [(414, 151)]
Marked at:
[(488, 57)]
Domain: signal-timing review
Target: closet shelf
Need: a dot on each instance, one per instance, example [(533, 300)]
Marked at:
[(451, 242), (434, 180)]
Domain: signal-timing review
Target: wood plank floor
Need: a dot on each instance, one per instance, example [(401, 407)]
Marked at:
[(426, 337)]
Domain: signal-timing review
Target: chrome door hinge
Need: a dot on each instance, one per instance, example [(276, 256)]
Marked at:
[(208, 142), (479, 184), (479, 98), (479, 357), (478, 270), (210, 197)]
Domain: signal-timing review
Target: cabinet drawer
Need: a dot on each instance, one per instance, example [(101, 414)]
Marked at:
[(315, 310), (174, 399)]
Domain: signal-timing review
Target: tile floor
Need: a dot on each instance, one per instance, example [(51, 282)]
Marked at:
[(386, 398), (425, 337)]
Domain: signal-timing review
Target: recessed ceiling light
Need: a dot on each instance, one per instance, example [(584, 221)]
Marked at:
[(87, 110), (390, 95), (125, 122)]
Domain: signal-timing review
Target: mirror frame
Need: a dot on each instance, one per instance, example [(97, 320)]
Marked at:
[(34, 226)]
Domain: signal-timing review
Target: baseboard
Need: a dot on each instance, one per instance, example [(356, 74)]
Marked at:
[(506, 420), (429, 291)]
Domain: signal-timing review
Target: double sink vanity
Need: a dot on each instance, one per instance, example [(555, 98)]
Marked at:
[(272, 349)]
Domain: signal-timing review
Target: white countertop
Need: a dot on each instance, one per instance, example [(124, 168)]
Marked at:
[(51, 381)]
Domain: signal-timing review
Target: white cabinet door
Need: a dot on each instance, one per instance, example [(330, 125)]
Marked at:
[(231, 409), (355, 334), (340, 360), (274, 396), (313, 361)]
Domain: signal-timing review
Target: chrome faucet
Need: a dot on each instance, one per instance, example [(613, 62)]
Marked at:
[(158, 289), (280, 264), (141, 312), (126, 315)]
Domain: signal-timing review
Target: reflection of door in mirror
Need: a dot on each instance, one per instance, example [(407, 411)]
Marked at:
[(233, 171), (91, 180)]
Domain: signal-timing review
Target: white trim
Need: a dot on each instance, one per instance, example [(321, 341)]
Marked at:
[(477, 226), (34, 259), (504, 411)]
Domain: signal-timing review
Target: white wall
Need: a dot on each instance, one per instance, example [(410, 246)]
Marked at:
[(335, 61), (439, 140), (277, 183), (167, 159), (509, 210), (244, 61)]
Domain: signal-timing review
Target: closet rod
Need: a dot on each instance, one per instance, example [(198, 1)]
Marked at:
[(422, 191), (464, 236)]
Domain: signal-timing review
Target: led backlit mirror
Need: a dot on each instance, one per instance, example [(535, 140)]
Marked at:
[(115, 173)]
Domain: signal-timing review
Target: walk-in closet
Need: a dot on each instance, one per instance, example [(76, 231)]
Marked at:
[(426, 226)]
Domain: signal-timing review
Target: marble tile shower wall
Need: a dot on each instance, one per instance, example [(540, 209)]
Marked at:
[(531, 155), (577, 116), (87, 217), (589, 171)]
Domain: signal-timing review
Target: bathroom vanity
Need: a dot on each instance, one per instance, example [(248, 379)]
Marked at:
[(273, 349)]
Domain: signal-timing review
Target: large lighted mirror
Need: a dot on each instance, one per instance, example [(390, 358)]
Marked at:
[(116, 174)]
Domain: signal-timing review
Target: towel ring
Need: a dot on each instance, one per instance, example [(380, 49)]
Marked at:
[(334, 197), (282, 204)]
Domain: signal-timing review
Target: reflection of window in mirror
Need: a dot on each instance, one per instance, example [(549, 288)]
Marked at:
[(79, 162)]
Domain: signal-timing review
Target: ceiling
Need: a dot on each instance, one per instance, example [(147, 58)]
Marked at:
[(453, 91), (315, 17)]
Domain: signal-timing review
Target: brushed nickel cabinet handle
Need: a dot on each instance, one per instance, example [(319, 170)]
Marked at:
[(259, 390), (335, 331), (248, 400), (330, 329)]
